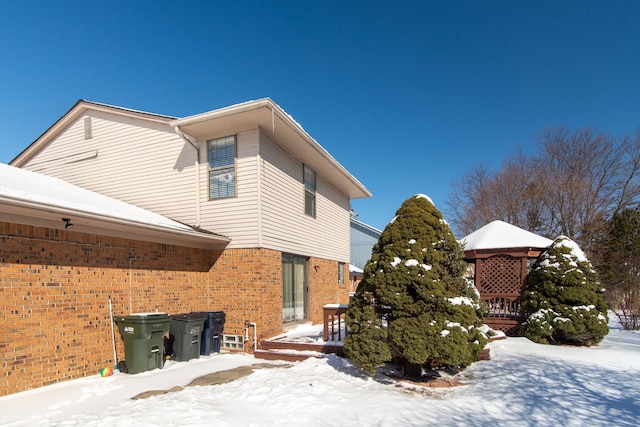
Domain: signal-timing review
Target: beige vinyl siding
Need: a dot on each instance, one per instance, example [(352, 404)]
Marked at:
[(285, 226), (145, 164), (236, 217), (148, 165)]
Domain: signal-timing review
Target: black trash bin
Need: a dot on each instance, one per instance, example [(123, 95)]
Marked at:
[(143, 336), (185, 332), (212, 332)]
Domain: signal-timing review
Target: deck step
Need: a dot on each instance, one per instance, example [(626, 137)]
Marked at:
[(301, 347), (485, 354), (288, 356)]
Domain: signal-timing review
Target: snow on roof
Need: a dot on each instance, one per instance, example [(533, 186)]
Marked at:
[(354, 269), (21, 185), (499, 234)]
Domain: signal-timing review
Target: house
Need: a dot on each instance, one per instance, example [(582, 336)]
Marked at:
[(362, 237), (248, 173), (500, 255), (64, 253)]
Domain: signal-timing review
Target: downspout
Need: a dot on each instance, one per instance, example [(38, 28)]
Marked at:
[(259, 166), (187, 139)]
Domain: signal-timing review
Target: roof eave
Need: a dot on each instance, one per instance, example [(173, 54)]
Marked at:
[(356, 189), (89, 222)]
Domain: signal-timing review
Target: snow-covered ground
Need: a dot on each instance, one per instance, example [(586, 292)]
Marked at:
[(524, 384)]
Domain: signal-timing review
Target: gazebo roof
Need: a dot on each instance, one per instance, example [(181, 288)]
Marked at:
[(499, 235)]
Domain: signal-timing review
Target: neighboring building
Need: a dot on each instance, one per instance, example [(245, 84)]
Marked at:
[(248, 172), (363, 237), (500, 255)]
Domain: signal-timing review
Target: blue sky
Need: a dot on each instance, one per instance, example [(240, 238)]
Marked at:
[(407, 95)]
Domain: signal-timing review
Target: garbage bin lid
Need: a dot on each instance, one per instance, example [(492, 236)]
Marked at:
[(150, 314), (143, 317), (189, 316)]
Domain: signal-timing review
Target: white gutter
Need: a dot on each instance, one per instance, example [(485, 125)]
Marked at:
[(226, 111), (259, 180), (188, 139)]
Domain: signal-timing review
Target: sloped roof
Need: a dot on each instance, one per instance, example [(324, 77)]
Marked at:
[(499, 234), (44, 200)]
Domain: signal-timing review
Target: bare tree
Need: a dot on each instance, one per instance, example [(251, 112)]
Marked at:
[(467, 200), (574, 184), (511, 195), (579, 172)]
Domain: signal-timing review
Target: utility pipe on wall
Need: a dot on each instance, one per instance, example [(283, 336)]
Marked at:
[(247, 325)]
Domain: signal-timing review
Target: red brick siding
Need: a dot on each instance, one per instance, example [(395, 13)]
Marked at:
[(324, 287), (55, 286)]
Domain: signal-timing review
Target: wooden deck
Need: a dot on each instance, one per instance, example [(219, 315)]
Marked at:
[(318, 340)]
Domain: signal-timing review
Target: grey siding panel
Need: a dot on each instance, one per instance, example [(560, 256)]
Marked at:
[(362, 241), (285, 226)]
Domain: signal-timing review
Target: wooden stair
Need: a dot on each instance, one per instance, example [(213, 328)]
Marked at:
[(291, 351), (296, 352)]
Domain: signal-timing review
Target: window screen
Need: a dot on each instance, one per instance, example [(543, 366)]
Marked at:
[(309, 191), (222, 167)]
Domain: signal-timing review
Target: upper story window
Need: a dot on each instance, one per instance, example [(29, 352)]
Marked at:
[(309, 191), (222, 167)]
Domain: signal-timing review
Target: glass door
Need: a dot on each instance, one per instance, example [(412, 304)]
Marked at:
[(294, 288)]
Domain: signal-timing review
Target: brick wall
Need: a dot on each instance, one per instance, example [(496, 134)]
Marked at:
[(55, 286), (54, 291), (247, 285), (324, 287)]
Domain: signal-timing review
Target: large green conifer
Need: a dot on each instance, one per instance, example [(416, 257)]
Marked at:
[(413, 305), (563, 301)]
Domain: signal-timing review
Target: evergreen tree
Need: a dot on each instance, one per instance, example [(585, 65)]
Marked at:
[(563, 301), (619, 266), (413, 305)]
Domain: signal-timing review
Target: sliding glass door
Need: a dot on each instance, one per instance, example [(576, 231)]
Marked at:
[(295, 272)]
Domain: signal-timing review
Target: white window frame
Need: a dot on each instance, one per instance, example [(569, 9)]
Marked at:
[(227, 171), (309, 180)]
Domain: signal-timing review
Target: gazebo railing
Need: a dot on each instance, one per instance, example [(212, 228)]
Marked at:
[(506, 306)]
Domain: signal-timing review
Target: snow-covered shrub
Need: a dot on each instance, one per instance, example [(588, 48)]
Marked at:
[(413, 305), (563, 301)]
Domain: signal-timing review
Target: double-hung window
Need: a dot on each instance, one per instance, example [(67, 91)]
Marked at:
[(341, 273), (222, 167), (309, 191)]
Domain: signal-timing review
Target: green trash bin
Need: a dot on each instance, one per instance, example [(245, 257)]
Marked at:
[(185, 333), (143, 336)]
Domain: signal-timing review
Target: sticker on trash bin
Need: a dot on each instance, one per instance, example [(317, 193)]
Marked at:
[(129, 329)]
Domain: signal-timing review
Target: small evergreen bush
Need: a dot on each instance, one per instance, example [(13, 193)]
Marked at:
[(413, 305), (564, 301)]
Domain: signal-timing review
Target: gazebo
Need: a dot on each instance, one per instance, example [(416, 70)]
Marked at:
[(499, 255)]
